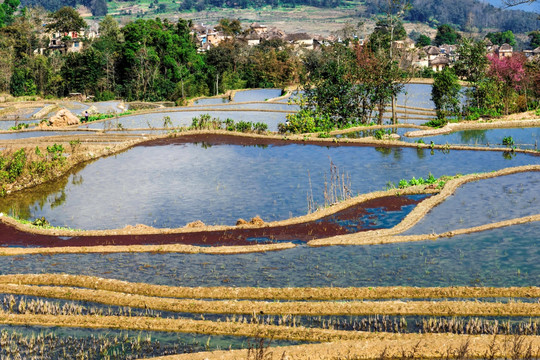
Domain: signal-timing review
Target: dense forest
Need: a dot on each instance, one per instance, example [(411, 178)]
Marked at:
[(98, 7), (146, 60), (467, 15)]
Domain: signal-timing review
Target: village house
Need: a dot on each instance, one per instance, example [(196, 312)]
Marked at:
[(71, 41), (432, 52), (207, 37), (439, 63), (258, 28), (436, 58), (300, 40), (252, 39), (532, 54), (504, 50)]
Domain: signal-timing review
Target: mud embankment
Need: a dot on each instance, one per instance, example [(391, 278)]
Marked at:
[(241, 235)]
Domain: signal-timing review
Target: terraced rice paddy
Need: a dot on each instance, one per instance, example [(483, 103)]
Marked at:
[(448, 270)]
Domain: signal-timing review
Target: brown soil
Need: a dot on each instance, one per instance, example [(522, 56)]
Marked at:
[(321, 228)]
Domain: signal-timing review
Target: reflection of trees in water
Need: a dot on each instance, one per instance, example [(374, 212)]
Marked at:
[(24, 204), (385, 151), (473, 136), (397, 153)]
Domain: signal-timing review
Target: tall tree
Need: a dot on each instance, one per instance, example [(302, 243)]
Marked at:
[(446, 34), (471, 65), (386, 30), (98, 7), (7, 9), (66, 19), (445, 93), (230, 27), (534, 39), (109, 45), (509, 73), (499, 38)]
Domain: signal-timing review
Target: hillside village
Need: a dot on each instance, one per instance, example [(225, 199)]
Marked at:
[(433, 57)]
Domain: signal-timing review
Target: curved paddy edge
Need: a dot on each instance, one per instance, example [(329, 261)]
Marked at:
[(387, 235), (365, 238), (469, 125)]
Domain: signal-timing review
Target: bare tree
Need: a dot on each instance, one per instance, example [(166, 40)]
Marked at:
[(517, 2)]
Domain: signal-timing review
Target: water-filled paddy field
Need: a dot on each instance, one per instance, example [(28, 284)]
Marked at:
[(185, 118), (7, 124), (509, 197), (171, 182), (501, 257)]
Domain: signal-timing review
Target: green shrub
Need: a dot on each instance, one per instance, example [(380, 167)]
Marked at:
[(15, 167), (306, 121), (104, 116), (260, 127), (229, 124), (55, 151), (324, 135), (420, 181), (20, 126), (436, 123), (38, 167), (244, 126), (381, 133), (474, 113), (105, 96), (403, 183), (205, 121), (508, 141), (40, 222)]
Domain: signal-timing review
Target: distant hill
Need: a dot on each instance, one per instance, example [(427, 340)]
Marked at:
[(466, 15), (532, 7)]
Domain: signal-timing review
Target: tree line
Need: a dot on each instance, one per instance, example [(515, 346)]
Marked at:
[(151, 60)]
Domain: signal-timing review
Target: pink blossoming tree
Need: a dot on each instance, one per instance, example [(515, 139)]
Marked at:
[(509, 73)]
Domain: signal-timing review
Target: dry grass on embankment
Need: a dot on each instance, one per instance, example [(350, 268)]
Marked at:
[(417, 346), (319, 293), (313, 308), (337, 344), (227, 328), (528, 119)]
